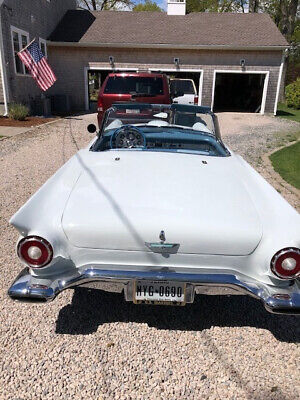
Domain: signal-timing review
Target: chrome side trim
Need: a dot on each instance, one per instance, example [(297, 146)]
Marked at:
[(279, 300)]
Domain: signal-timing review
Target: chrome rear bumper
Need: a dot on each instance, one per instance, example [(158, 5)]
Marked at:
[(275, 299)]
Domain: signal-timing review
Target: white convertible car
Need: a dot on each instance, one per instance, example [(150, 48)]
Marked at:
[(159, 208)]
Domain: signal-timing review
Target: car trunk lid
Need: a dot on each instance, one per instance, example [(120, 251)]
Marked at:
[(123, 200)]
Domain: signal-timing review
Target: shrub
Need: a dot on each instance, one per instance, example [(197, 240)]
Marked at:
[(292, 94), (18, 112)]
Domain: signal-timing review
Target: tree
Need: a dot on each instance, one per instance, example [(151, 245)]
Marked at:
[(148, 5), (215, 6), (94, 5), (253, 6), (288, 16), (285, 14)]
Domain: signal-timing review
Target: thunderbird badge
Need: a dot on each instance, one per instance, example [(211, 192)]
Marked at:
[(162, 247)]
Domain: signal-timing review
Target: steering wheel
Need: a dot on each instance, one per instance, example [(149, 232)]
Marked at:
[(127, 137)]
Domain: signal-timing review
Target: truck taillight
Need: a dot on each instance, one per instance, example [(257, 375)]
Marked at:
[(35, 251), (286, 263), (196, 100), (100, 105)]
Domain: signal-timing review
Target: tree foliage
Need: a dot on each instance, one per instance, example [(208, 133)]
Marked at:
[(284, 13), (94, 5), (292, 94), (215, 5), (253, 6), (148, 5)]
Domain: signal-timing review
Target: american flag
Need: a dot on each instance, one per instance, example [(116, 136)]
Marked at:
[(37, 65)]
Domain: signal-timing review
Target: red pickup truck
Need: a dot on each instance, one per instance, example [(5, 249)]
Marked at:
[(136, 87)]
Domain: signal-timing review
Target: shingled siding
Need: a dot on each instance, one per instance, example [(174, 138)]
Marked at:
[(38, 18), (69, 64)]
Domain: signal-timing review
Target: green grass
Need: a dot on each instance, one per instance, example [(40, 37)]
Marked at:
[(284, 111), (287, 163)]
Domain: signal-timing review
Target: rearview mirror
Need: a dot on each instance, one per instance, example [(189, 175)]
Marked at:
[(91, 128)]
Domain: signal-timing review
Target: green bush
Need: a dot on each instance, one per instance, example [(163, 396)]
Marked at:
[(292, 94), (18, 112)]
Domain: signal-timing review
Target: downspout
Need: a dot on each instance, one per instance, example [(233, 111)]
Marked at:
[(3, 66)]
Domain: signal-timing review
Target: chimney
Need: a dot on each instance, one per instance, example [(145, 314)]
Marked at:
[(176, 7)]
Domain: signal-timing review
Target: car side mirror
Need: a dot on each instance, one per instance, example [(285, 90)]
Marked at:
[(91, 128)]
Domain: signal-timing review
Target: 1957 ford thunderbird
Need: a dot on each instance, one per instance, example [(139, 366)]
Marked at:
[(159, 208)]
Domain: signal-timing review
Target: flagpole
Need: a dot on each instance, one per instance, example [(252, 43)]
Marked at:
[(27, 45)]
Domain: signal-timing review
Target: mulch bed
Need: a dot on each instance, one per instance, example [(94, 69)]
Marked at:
[(30, 121)]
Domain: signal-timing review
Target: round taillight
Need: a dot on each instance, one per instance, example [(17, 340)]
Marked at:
[(286, 263), (35, 251)]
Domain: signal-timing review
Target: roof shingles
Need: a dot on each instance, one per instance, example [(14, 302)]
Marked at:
[(152, 28)]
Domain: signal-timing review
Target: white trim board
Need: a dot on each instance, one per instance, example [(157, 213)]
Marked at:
[(279, 82), (164, 46), (266, 82)]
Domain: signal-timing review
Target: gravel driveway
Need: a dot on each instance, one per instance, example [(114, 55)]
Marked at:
[(94, 345)]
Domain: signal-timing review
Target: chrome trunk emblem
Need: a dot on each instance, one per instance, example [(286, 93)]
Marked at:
[(162, 247)]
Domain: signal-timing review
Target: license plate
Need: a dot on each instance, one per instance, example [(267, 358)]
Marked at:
[(132, 111), (158, 292)]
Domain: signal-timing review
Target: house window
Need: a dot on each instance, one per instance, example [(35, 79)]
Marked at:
[(43, 46), (20, 39)]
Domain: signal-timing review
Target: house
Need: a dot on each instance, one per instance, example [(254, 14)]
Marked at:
[(236, 60), (21, 22)]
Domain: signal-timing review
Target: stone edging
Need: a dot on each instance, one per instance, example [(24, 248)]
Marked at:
[(275, 175)]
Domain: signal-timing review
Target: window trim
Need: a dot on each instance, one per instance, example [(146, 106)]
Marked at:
[(45, 44), (20, 33)]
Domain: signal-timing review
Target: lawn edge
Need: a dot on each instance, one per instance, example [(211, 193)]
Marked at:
[(275, 175)]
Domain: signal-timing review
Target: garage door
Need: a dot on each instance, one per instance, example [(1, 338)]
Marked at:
[(240, 92), (95, 78)]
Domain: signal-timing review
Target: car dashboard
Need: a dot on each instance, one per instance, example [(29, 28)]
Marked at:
[(176, 140)]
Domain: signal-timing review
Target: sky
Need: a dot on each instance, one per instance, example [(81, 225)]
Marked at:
[(162, 4)]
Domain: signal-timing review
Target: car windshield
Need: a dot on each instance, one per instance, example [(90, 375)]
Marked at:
[(154, 127), (134, 85), (185, 86)]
